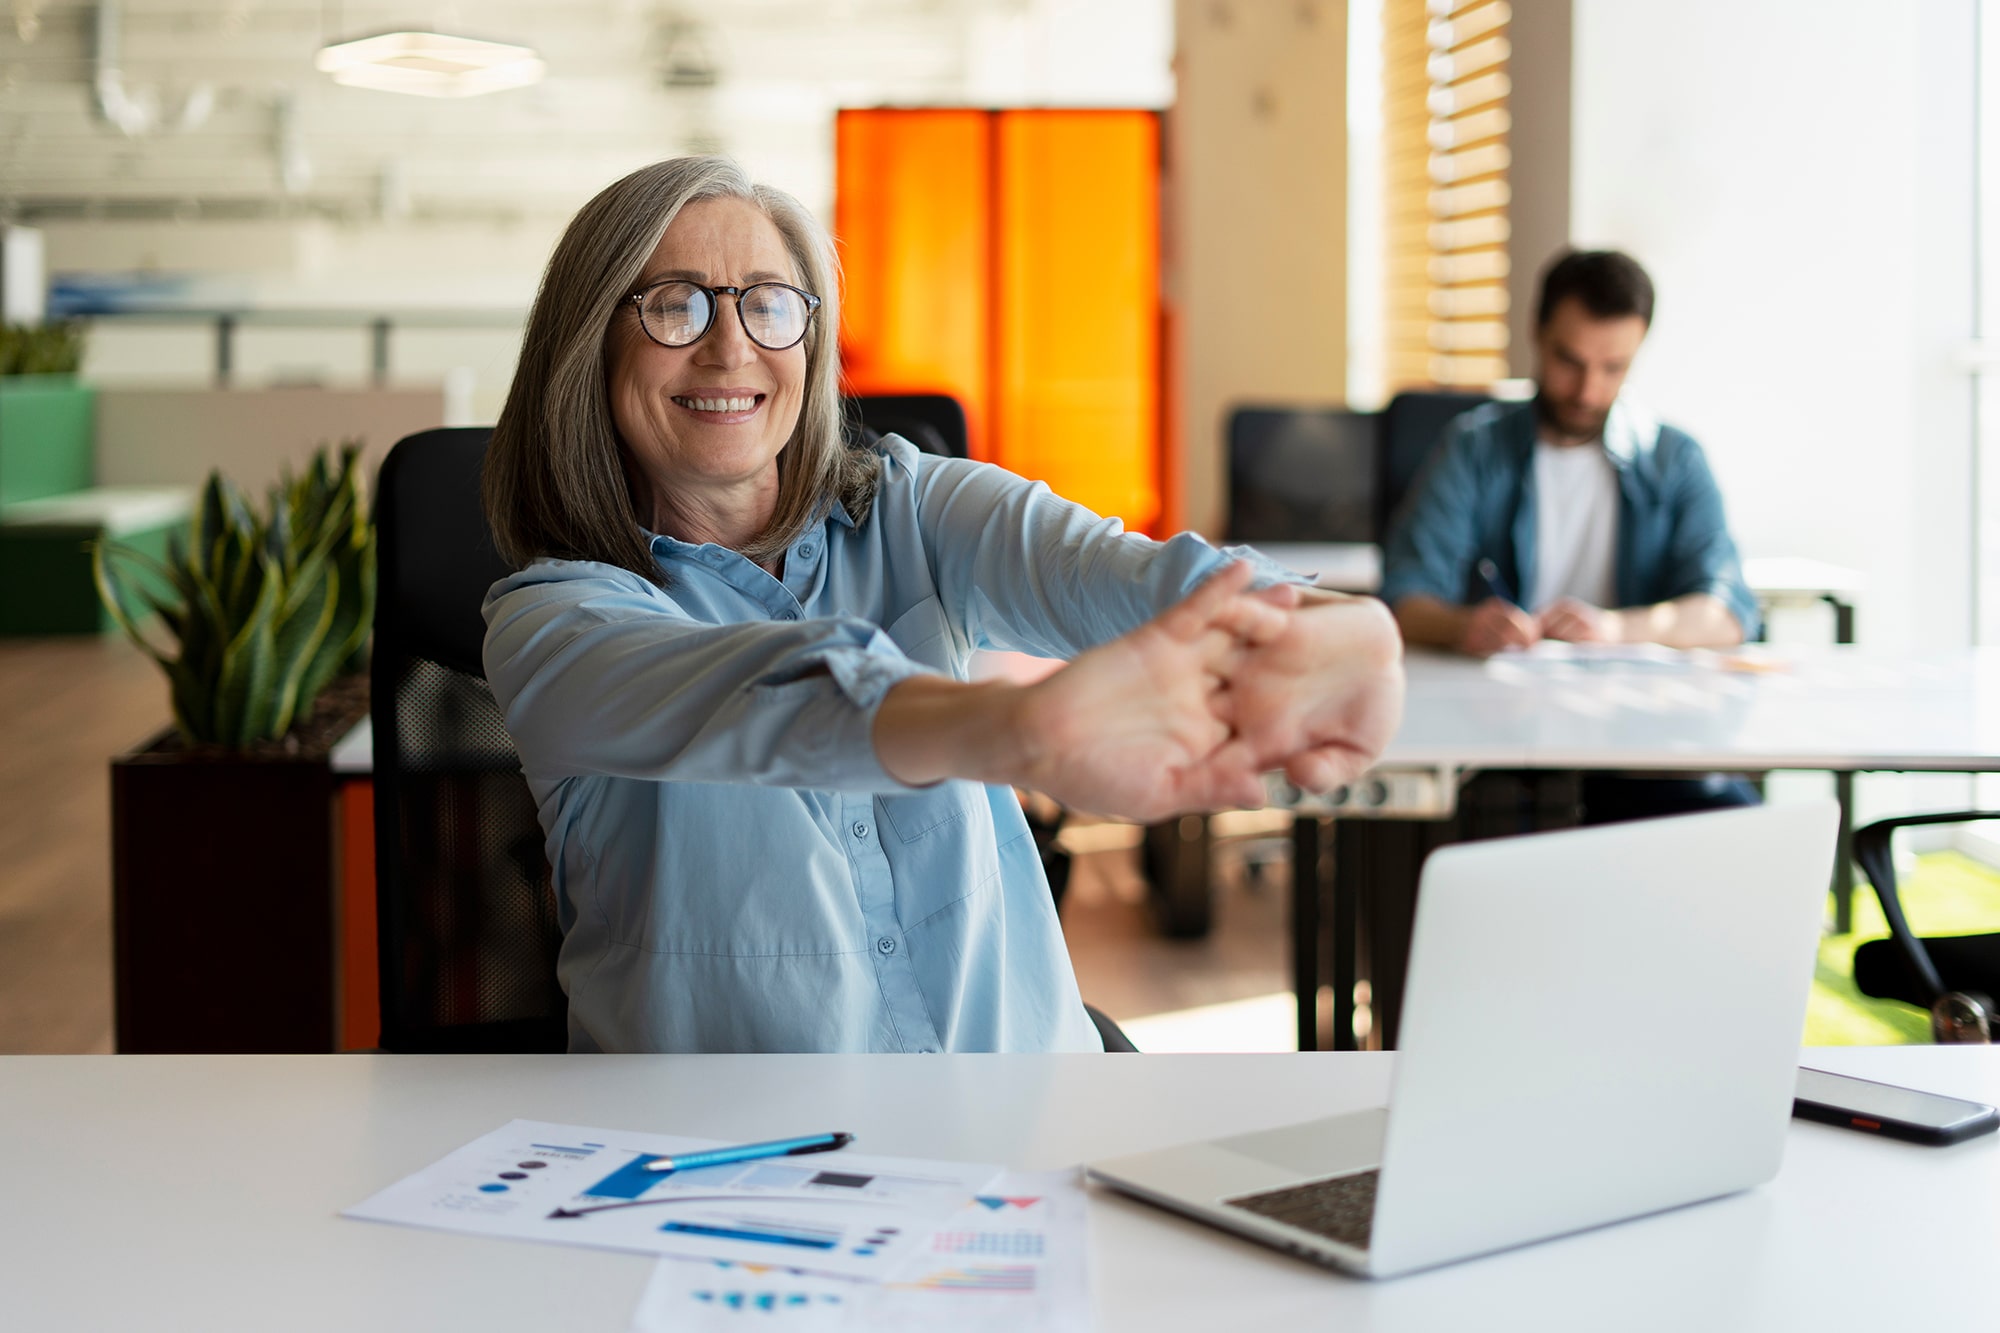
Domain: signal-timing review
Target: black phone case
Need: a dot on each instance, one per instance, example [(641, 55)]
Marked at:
[(1936, 1136)]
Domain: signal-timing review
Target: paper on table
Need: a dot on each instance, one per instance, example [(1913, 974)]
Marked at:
[(1014, 1258), (837, 1212)]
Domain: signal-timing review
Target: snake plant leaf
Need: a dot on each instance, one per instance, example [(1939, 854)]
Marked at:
[(353, 616), (242, 691), (111, 591), (299, 638)]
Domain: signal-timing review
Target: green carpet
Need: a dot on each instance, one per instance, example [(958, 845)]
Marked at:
[(1949, 894)]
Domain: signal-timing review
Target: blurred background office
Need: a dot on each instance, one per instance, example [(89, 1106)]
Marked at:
[(1103, 225)]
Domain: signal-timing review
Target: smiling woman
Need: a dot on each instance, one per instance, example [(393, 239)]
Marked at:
[(736, 659)]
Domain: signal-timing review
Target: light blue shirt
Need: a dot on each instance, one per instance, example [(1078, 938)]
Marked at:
[(734, 870)]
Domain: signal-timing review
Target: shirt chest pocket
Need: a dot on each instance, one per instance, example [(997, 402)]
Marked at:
[(925, 636), (919, 812)]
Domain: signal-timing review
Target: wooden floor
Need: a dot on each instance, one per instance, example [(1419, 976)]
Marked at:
[(68, 705)]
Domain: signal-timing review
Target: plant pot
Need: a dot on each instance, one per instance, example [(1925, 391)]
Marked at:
[(224, 868)]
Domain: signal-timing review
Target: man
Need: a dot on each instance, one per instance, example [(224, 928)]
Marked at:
[(1575, 517)]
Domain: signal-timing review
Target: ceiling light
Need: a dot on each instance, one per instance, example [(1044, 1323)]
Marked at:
[(430, 64)]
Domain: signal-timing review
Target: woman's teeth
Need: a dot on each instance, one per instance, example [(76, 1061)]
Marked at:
[(717, 404)]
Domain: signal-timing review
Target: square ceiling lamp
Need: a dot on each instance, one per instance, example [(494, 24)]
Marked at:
[(430, 64)]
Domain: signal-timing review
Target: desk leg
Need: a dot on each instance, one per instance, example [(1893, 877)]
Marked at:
[(1310, 870), (1843, 856)]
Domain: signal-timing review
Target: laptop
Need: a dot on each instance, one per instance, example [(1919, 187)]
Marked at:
[(1598, 1024)]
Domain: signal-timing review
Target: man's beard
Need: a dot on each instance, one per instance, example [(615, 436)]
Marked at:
[(1586, 427)]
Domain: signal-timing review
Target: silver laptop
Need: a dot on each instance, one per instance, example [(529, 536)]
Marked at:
[(1598, 1024)]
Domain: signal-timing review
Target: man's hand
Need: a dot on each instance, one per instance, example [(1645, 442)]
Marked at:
[(1580, 622), (1322, 698), (1496, 625)]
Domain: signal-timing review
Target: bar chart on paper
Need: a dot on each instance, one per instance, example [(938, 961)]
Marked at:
[(843, 1214), (1007, 1261)]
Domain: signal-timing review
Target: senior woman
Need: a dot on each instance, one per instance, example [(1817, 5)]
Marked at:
[(734, 660)]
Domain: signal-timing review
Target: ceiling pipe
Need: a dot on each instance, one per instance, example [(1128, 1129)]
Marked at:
[(135, 114)]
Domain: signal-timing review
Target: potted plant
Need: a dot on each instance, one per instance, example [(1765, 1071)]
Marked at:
[(223, 848)]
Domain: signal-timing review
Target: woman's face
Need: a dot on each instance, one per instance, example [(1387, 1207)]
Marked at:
[(705, 423)]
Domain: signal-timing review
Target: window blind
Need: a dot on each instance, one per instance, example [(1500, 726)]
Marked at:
[(1445, 159)]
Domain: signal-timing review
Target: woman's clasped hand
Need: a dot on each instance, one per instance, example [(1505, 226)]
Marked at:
[(1188, 711)]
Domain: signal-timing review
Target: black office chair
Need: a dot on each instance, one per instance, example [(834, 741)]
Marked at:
[(934, 422), (1412, 425), (1299, 474), (465, 910), (1956, 978)]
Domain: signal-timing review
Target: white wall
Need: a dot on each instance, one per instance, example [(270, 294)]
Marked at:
[(1798, 177)]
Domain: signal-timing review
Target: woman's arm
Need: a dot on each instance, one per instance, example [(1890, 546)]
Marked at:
[(1184, 713), (600, 673), (1021, 569)]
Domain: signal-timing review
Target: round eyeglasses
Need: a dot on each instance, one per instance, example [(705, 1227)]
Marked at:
[(677, 313)]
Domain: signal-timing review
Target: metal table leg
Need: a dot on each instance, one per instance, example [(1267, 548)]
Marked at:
[(1311, 866), (1843, 856)]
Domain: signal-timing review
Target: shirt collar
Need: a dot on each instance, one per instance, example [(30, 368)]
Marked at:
[(1629, 431)]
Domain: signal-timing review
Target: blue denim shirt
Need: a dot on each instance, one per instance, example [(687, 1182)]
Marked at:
[(1476, 500), (734, 870)]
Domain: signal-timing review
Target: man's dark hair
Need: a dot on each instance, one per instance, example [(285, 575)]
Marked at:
[(1610, 284)]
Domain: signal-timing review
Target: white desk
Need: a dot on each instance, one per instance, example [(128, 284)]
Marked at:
[(1840, 710), (1821, 708), (200, 1193)]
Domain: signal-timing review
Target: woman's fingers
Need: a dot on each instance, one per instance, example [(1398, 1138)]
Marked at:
[(1324, 768)]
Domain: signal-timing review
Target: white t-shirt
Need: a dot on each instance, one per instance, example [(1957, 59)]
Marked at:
[(1576, 525)]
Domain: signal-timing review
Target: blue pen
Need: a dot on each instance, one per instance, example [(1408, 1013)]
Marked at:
[(750, 1152), (1489, 574)]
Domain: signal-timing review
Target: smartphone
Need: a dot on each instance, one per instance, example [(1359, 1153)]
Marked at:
[(1883, 1108)]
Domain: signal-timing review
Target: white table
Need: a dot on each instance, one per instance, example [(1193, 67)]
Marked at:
[(200, 1193), (1816, 708), (1833, 709)]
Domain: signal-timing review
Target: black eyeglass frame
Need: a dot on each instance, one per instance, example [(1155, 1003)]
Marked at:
[(715, 295)]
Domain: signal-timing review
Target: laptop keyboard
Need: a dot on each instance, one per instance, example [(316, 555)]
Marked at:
[(1340, 1209)]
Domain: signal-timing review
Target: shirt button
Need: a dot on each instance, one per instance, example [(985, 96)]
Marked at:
[(807, 550), (860, 829), (886, 945), (787, 613)]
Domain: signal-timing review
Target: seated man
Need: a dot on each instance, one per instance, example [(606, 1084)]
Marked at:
[(1575, 516)]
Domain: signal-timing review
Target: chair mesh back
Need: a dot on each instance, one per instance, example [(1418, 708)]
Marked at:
[(479, 927), (464, 906)]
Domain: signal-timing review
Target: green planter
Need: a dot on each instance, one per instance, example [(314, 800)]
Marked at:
[(47, 436)]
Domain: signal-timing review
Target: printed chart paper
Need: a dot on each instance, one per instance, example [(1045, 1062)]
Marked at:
[(1016, 1257), (834, 1212)]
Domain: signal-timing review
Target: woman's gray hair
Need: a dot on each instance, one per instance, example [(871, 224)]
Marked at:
[(556, 481)]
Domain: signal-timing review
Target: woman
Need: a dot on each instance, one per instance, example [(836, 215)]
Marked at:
[(734, 661)]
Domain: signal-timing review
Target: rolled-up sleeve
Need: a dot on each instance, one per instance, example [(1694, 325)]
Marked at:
[(1701, 556), (599, 672), (1023, 570)]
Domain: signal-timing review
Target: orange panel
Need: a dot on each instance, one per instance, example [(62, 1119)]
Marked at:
[(360, 993), (912, 214), (1076, 357)]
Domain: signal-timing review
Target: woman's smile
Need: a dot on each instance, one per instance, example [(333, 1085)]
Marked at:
[(723, 407)]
